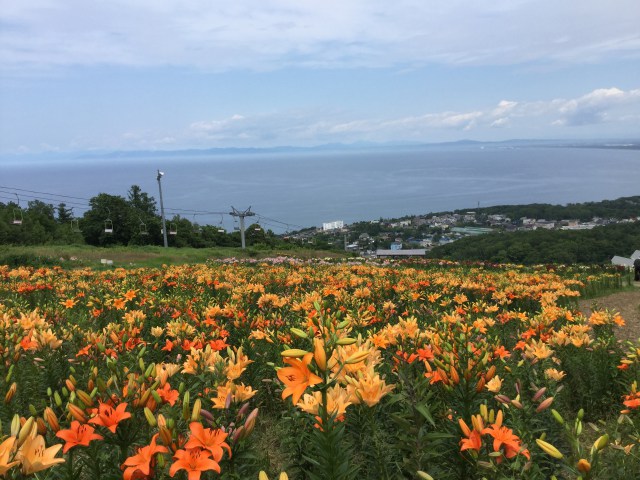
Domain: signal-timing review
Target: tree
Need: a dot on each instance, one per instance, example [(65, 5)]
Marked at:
[(141, 201), (108, 212), (64, 214)]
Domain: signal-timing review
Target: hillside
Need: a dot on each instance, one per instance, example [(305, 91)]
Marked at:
[(546, 246)]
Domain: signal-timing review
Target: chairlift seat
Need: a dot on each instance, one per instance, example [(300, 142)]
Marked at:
[(17, 216)]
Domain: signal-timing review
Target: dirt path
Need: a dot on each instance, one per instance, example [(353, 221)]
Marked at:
[(625, 303)]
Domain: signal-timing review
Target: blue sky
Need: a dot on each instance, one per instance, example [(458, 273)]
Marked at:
[(165, 74)]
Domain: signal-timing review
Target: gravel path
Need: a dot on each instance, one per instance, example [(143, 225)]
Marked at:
[(625, 303)]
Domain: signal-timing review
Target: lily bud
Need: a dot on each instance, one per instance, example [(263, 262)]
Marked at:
[(9, 373), (11, 392), (299, 333), (156, 396), (250, 423), (483, 411), (424, 475), (601, 442), (238, 435), (346, 341), (195, 413), (343, 324), (539, 393), (186, 413), (41, 426), (206, 415), (150, 371), (546, 403), (242, 412), (357, 357), (557, 416), (165, 435), (294, 352), (15, 425), (549, 449), (319, 355), (151, 419), (77, 413), (583, 466), (51, 419), (27, 429), (84, 398), (453, 375)]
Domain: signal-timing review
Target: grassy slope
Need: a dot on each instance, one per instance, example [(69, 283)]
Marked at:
[(150, 256)]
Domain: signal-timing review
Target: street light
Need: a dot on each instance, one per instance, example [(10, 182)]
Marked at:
[(164, 223)]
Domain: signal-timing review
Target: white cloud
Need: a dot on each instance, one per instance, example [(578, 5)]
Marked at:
[(593, 107), (598, 106), (270, 34), (591, 113)]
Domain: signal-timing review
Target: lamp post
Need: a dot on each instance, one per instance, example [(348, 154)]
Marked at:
[(164, 223)]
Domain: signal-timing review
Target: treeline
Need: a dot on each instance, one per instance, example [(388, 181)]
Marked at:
[(598, 245), (624, 207), (116, 220)]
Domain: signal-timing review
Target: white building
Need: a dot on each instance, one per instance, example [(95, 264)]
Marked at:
[(624, 261), (337, 225)]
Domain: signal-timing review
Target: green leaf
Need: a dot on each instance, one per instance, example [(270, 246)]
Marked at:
[(424, 411)]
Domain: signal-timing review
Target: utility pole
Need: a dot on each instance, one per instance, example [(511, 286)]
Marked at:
[(164, 223), (241, 215)]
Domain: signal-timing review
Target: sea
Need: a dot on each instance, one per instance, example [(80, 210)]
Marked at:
[(290, 190)]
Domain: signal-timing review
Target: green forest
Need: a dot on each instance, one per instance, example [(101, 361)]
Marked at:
[(546, 246), (624, 207)]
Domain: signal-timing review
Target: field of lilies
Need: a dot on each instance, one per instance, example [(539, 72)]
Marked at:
[(315, 370)]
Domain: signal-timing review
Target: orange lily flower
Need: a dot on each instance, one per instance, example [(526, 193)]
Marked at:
[(472, 442), (297, 377), (68, 303), (143, 461), (109, 418), (504, 436), (208, 439), (167, 394), (501, 352), (119, 304), (130, 295), (78, 434), (194, 461), (5, 452), (35, 456)]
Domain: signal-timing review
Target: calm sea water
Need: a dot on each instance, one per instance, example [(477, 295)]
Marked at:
[(310, 188)]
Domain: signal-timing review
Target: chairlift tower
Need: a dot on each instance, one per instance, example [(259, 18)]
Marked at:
[(241, 215)]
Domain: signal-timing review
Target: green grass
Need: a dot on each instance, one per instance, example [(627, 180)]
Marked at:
[(143, 256)]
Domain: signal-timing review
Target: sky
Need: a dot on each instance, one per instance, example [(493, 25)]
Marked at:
[(167, 74)]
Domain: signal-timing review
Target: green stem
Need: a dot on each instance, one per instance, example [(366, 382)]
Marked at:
[(381, 467)]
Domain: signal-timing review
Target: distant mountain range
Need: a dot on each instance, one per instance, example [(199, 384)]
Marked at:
[(627, 144)]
